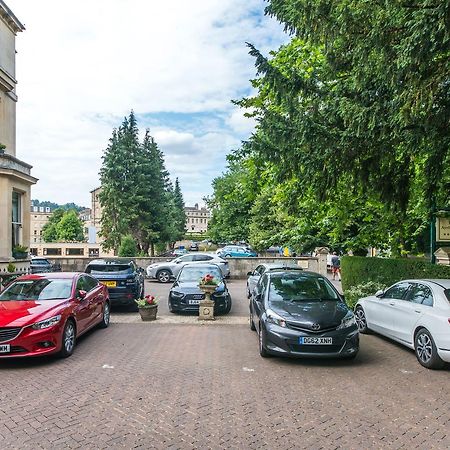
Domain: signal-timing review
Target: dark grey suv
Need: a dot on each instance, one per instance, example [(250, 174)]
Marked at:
[(42, 265)]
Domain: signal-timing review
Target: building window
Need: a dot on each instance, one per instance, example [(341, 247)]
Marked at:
[(75, 251), (52, 251), (16, 218)]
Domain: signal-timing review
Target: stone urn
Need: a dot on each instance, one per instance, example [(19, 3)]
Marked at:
[(148, 312), (206, 306)]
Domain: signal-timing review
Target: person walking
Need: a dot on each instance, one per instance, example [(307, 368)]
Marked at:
[(336, 266)]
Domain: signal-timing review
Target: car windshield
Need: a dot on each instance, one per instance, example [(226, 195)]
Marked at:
[(298, 287), (108, 268), (41, 289), (197, 273), (447, 294)]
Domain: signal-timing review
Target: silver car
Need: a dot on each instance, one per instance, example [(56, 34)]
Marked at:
[(165, 271)]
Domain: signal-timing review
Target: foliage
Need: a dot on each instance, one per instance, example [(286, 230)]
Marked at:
[(351, 147), (137, 196), (387, 271), (20, 249), (70, 227), (127, 247), (147, 302), (11, 268), (353, 294), (208, 280)]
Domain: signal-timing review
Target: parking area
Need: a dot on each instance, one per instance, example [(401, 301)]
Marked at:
[(181, 384)]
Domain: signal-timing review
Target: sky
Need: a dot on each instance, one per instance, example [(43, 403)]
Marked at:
[(84, 65)]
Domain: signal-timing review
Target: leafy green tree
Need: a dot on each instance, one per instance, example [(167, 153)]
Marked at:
[(70, 228), (49, 230), (127, 247)]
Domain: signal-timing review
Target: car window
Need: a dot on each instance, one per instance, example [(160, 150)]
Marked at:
[(259, 270), (91, 283), (262, 285), (108, 268), (421, 294), (192, 273), (299, 287), (202, 257), (397, 291), (82, 284), (38, 289)]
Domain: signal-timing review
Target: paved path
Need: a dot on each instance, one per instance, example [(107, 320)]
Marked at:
[(165, 386)]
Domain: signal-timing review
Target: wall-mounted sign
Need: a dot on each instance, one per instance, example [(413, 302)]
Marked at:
[(442, 229)]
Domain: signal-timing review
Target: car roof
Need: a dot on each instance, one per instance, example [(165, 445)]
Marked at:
[(110, 261), (304, 272), (445, 283), (200, 265), (281, 266)]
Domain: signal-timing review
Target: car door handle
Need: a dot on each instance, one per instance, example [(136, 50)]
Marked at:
[(418, 311), (392, 304)]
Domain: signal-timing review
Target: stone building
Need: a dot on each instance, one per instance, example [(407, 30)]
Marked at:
[(197, 219), (39, 217), (15, 175)]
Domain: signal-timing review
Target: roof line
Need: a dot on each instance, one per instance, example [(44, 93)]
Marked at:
[(11, 16)]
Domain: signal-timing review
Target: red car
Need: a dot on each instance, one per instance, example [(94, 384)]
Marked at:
[(45, 314)]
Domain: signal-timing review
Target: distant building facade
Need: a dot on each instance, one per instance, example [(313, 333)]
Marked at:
[(197, 219), (40, 216), (15, 175)]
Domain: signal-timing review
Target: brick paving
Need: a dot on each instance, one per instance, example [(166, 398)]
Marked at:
[(184, 386)]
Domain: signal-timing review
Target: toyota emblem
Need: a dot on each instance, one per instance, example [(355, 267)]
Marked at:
[(315, 326)]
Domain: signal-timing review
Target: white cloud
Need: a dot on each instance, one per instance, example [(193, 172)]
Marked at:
[(83, 65)]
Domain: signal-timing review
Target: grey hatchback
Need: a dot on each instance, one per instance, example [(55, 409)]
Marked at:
[(299, 313)]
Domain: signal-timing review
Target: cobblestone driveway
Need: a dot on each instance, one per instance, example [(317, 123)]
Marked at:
[(156, 385)]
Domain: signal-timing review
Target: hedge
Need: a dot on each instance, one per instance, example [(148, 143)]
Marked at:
[(358, 270)]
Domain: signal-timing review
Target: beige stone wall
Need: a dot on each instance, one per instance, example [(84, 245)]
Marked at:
[(8, 122), (38, 220)]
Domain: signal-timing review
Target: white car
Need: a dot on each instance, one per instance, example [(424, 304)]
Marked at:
[(166, 271), (415, 313)]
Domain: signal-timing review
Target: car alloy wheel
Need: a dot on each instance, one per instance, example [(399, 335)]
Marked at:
[(68, 339), (106, 316), (262, 351), (426, 351), (163, 276), (361, 321)]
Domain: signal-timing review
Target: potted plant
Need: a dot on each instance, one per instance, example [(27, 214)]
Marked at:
[(148, 307), (208, 284), (20, 252)]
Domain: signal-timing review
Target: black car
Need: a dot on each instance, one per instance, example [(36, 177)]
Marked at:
[(123, 278), (194, 247), (298, 313), (43, 265), (185, 295)]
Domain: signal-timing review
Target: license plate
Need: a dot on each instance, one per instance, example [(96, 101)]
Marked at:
[(194, 302), (5, 348), (303, 340), (109, 283)]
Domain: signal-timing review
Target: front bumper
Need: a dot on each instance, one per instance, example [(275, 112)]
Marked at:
[(286, 342), (182, 304), (31, 342)]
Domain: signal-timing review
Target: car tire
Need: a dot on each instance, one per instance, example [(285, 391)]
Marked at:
[(170, 307), (262, 350), (106, 316), (228, 307), (426, 351), (68, 339), (250, 321), (361, 321), (163, 276), (249, 294), (142, 294)]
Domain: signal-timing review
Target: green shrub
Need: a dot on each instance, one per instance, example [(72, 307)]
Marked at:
[(127, 247), (358, 270), (353, 294)]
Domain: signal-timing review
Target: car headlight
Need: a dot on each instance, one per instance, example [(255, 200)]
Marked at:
[(47, 323), (275, 318), (177, 294), (347, 321)]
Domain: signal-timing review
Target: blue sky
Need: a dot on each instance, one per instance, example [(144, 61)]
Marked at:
[(82, 66)]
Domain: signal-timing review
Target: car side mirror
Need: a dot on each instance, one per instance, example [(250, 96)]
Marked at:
[(249, 274), (258, 297), (81, 294), (379, 293)]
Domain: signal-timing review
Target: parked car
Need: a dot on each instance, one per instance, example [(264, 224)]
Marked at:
[(42, 265), (45, 313), (299, 313), (194, 247), (236, 251), (415, 313), (185, 294), (123, 278), (165, 271), (255, 275)]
